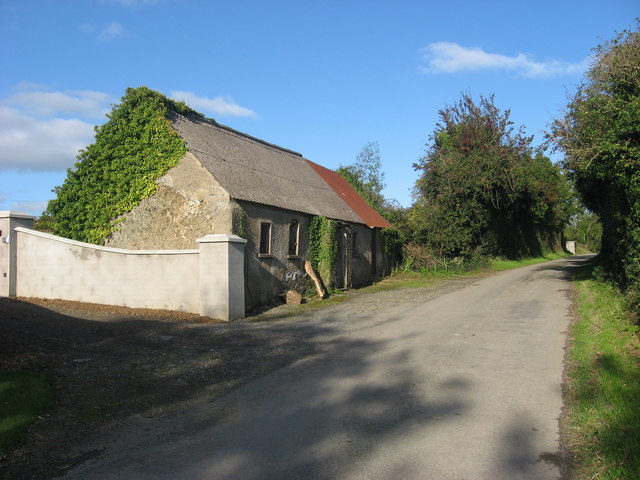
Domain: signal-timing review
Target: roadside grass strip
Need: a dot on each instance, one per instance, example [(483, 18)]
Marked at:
[(23, 396), (500, 264), (603, 425)]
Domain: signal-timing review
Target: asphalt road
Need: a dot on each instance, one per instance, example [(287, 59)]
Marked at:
[(467, 385)]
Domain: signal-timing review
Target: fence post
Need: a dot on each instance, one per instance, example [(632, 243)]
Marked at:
[(222, 276), (9, 249)]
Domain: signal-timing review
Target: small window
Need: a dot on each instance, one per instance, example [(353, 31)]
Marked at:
[(265, 238), (355, 250), (294, 235)]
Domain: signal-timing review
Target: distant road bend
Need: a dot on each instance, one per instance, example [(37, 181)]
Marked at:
[(464, 385)]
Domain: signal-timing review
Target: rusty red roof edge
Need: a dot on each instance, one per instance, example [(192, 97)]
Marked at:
[(352, 198)]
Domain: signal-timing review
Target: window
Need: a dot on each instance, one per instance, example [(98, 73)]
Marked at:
[(294, 235), (265, 238)]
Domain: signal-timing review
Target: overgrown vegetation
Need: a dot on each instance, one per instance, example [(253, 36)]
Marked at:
[(604, 382), (23, 396), (44, 223), (323, 248), (600, 136), (483, 189), (131, 151)]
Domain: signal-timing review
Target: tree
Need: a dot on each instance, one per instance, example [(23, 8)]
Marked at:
[(482, 187), (585, 228), (599, 134), (366, 176)]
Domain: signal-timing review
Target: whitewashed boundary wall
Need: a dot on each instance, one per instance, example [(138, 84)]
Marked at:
[(208, 281)]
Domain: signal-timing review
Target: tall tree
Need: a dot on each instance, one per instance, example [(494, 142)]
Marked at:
[(366, 175), (367, 178), (482, 188), (600, 136)]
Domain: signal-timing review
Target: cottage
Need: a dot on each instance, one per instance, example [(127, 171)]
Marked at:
[(230, 182)]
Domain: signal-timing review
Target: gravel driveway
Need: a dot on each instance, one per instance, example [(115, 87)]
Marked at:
[(111, 364)]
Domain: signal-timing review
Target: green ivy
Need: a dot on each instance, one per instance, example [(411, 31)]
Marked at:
[(391, 241), (242, 225), (323, 248), (135, 147)]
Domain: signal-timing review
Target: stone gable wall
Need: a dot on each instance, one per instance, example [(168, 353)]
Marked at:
[(188, 204)]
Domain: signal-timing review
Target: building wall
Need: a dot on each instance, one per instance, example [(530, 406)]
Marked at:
[(188, 204), (268, 275), (384, 263), (361, 256)]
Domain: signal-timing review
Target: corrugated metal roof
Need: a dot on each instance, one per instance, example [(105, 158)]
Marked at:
[(256, 171), (351, 197)]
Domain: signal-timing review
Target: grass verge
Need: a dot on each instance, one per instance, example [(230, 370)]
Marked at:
[(23, 396), (500, 264), (603, 373)]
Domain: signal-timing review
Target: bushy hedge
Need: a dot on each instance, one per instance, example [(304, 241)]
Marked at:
[(600, 136), (484, 189)]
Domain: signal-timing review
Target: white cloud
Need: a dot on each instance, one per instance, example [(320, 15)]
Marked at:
[(217, 106), (111, 31), (28, 143), (44, 130), (448, 57), (86, 103)]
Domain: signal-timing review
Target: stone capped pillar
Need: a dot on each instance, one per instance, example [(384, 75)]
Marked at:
[(222, 276), (8, 249)]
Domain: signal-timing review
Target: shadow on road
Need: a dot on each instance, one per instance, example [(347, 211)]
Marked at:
[(145, 370), (324, 422)]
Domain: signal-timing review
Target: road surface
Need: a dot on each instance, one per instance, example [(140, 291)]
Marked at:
[(467, 385)]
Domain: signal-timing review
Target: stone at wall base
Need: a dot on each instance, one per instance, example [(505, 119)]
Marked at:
[(292, 297)]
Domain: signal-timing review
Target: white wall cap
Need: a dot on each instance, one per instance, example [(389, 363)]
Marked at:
[(91, 246), (12, 214), (221, 238)]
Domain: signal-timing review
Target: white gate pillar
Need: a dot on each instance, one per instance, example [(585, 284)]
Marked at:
[(9, 249), (222, 276)]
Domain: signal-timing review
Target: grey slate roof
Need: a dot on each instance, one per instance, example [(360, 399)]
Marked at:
[(256, 171)]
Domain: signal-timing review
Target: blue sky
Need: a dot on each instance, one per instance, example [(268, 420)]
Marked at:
[(321, 78)]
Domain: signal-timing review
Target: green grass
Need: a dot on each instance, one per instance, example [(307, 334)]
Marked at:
[(500, 264), (603, 425), (23, 396)]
